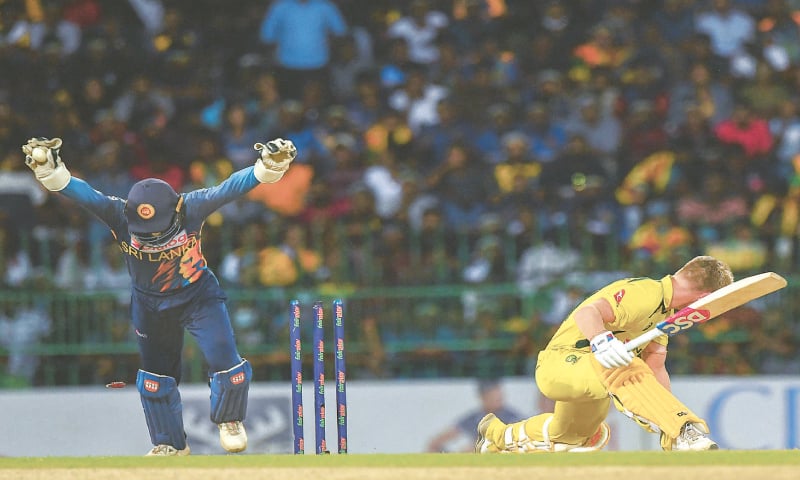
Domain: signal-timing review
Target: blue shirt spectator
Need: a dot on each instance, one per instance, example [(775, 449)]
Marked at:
[(300, 30)]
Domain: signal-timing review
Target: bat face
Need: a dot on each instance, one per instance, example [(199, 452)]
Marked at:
[(726, 298)]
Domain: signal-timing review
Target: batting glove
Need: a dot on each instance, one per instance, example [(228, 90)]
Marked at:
[(609, 351), (42, 155), (276, 156)]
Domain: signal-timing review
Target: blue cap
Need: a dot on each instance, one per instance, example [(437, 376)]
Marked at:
[(151, 206)]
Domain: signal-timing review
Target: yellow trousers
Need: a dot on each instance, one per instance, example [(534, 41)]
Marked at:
[(581, 401)]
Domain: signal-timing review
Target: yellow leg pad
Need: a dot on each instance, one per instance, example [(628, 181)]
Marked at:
[(641, 421), (637, 389)]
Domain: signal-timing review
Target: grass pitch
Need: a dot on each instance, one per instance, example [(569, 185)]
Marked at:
[(738, 465)]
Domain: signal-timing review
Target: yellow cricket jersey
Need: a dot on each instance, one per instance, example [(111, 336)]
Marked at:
[(638, 305)]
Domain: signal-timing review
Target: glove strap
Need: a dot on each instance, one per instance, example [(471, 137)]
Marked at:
[(57, 180), (264, 174)]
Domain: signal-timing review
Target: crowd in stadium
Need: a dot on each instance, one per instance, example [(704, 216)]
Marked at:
[(440, 141)]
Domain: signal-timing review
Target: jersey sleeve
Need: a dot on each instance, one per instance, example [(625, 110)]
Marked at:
[(634, 302), (203, 202), (107, 208)]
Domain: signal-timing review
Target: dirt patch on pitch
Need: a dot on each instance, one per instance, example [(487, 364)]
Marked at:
[(408, 473)]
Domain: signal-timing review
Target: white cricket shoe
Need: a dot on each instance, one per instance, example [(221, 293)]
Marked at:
[(168, 451), (483, 444), (694, 437), (232, 436)]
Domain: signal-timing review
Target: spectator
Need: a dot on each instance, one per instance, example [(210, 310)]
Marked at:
[(602, 131), (743, 251), (764, 95), (454, 437), (394, 70), (238, 136), (547, 135), (575, 178), (263, 102), (240, 266), (712, 207), (784, 127), (389, 134), (433, 140), (463, 187), (713, 98), (644, 134), (142, 105), (109, 272), (293, 125), (19, 198), (695, 135), (660, 242), (728, 27), (299, 32), (543, 263), (559, 22), (748, 130), (488, 140), (777, 22), (384, 179), (21, 329), (675, 21), (417, 100), (51, 31), (602, 49), (517, 164), (291, 263), (349, 61), (368, 105), (471, 24), (420, 28)]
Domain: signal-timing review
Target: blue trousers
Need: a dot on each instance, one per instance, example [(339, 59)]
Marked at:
[(160, 331)]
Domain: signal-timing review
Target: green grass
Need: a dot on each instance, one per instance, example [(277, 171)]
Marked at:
[(648, 458)]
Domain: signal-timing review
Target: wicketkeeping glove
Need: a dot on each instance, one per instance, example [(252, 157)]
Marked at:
[(42, 155), (609, 351), (276, 156)]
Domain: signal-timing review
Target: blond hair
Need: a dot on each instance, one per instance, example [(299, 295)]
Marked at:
[(706, 273)]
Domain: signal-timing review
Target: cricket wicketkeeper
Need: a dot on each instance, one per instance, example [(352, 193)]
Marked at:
[(586, 365), (159, 232)]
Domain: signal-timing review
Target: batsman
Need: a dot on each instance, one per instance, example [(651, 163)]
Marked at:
[(586, 366), (159, 232)]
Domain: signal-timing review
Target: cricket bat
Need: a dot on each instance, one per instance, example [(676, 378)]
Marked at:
[(714, 304)]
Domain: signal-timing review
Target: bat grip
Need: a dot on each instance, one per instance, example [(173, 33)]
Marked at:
[(643, 338)]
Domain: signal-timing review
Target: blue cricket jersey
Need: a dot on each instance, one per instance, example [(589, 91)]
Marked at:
[(165, 270)]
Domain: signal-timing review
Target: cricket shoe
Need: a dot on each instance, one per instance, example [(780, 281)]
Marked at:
[(232, 436), (483, 444), (694, 437), (167, 451)]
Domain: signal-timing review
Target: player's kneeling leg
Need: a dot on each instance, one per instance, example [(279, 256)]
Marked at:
[(163, 411), (229, 390)]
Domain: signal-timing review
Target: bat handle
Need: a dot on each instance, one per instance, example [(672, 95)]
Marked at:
[(643, 338)]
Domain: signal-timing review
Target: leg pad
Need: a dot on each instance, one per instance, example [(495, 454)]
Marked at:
[(163, 411), (636, 391), (229, 390)]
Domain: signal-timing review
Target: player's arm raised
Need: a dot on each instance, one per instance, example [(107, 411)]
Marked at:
[(591, 320)]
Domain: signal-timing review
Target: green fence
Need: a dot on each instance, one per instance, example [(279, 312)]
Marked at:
[(59, 338)]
